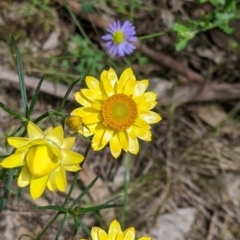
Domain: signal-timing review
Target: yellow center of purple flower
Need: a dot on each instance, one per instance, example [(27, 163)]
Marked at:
[(119, 112), (118, 37)]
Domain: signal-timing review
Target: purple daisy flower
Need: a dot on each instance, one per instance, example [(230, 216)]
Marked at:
[(120, 38)]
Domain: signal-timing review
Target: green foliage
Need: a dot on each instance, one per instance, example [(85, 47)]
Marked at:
[(90, 60), (224, 12)]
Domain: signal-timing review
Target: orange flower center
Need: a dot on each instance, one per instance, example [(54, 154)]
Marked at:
[(119, 112)]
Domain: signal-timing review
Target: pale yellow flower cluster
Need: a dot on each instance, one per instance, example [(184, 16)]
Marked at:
[(116, 111), (114, 233), (44, 158)]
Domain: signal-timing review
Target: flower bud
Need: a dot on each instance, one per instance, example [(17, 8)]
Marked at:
[(74, 123)]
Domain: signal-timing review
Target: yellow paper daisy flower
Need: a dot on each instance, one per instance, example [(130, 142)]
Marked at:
[(116, 111), (114, 233), (44, 157)]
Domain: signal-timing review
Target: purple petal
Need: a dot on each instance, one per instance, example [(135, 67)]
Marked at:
[(107, 37)]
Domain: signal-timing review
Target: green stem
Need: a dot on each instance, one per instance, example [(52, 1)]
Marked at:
[(46, 114), (76, 177), (126, 187), (152, 35), (48, 226)]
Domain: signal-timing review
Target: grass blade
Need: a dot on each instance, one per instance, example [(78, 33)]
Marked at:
[(85, 191), (67, 93), (60, 227), (20, 76), (34, 99), (84, 227), (7, 189)]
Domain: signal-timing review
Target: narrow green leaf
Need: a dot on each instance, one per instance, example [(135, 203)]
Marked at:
[(52, 207), (6, 189), (85, 191), (84, 227), (113, 199), (20, 76), (19, 194), (60, 227), (34, 99), (81, 211), (76, 224), (68, 92), (13, 114)]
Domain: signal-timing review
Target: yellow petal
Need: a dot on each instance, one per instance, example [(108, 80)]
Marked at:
[(113, 230), (92, 118), (115, 146), (51, 185), (102, 235), (133, 145), (129, 86), (97, 106), (97, 139), (92, 83), (107, 136), (70, 157), (109, 90), (88, 130), (144, 238), (68, 142), (37, 186), (123, 139), (84, 111), (140, 87), (143, 134), (141, 123), (58, 179), (46, 131), (103, 74), (15, 160), (91, 95), (126, 74), (17, 142), (56, 136), (146, 106), (72, 168), (41, 161), (146, 97), (34, 131), (151, 117), (24, 177), (120, 236), (129, 234), (131, 132), (94, 233), (81, 99), (56, 150), (31, 144), (112, 76)]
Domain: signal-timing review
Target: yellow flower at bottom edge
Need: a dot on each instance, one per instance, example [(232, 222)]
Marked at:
[(44, 158), (114, 233), (116, 111)]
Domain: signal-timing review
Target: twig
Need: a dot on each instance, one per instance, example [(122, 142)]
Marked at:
[(182, 95)]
